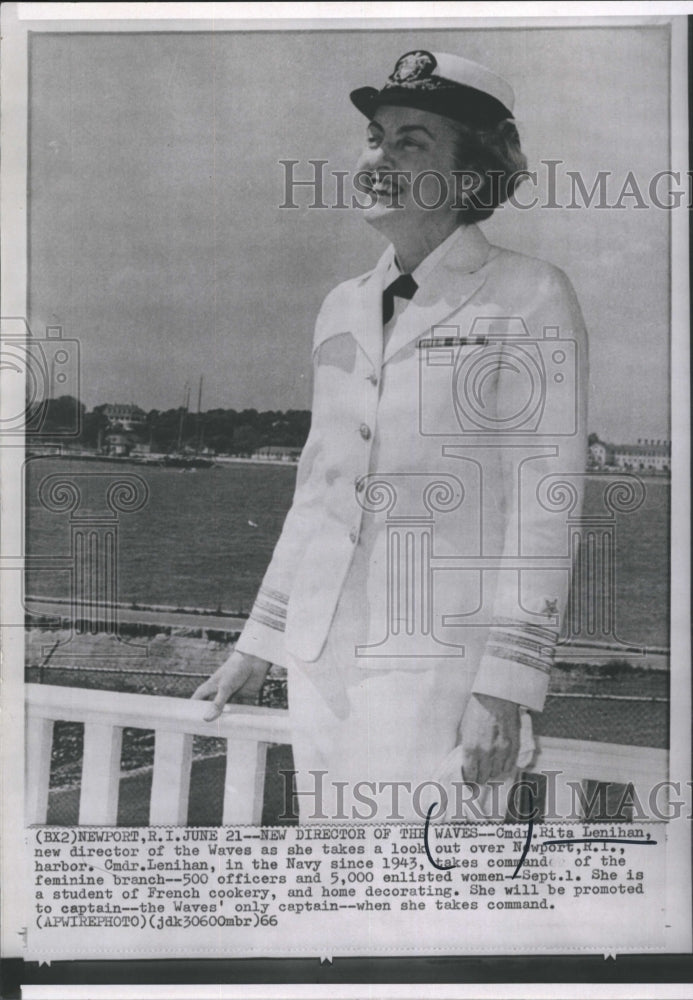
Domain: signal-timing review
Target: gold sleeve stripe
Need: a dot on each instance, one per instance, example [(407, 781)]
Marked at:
[(276, 623), (275, 595), (508, 653)]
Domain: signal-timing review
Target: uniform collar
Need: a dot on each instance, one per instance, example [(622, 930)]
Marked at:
[(420, 273), (446, 279)]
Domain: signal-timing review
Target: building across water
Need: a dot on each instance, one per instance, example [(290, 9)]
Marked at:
[(284, 453), (645, 456), (126, 416)]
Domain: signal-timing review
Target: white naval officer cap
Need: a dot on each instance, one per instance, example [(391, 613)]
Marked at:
[(445, 84)]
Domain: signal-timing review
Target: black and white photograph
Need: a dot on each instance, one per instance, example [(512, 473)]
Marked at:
[(345, 435)]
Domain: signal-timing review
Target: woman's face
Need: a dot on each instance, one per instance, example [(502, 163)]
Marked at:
[(408, 163)]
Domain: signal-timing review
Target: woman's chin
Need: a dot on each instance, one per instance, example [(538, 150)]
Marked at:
[(384, 214)]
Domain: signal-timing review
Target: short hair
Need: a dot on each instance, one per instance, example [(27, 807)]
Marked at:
[(493, 158)]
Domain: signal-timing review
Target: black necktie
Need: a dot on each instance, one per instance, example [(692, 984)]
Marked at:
[(404, 287)]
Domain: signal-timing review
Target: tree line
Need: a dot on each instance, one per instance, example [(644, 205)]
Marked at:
[(223, 431)]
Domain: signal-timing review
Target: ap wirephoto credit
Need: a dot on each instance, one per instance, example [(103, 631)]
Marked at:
[(344, 438)]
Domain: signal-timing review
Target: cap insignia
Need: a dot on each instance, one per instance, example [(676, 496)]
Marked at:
[(412, 67)]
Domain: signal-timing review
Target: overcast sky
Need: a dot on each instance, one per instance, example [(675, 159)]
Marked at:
[(158, 242)]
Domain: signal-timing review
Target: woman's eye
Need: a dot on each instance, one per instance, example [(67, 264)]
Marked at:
[(372, 141)]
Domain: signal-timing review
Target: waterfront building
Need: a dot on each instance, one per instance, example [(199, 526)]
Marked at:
[(645, 456), (283, 453), (648, 455), (118, 443), (126, 416), (601, 454)]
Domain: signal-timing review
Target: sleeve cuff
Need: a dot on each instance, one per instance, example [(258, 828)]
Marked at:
[(516, 664), (263, 635), (511, 681), (263, 642)]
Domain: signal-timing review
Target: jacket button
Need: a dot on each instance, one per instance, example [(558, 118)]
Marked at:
[(353, 535), (373, 378), (360, 484), (365, 431)]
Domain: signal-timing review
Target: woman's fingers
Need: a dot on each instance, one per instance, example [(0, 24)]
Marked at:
[(213, 686), (470, 765), (214, 711), (228, 679), (222, 684), (205, 689), (226, 687)]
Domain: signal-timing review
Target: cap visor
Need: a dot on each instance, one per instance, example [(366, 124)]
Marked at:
[(365, 99), (465, 105)]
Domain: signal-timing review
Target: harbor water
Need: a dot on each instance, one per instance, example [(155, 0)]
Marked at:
[(204, 538)]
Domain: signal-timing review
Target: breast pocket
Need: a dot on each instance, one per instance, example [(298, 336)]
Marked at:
[(339, 351), (457, 385)]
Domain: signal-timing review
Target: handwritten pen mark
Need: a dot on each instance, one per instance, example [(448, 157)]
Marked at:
[(528, 840), (530, 833), (601, 840), (441, 868)]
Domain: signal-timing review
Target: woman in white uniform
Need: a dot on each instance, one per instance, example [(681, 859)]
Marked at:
[(416, 592)]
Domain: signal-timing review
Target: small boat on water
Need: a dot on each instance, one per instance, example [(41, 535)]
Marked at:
[(181, 459), (187, 462)]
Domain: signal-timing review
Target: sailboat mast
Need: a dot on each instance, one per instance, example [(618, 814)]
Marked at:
[(183, 412), (199, 418)]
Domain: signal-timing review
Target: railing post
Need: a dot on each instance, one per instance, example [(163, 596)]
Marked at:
[(248, 732), (171, 779), (98, 802), (39, 736), (244, 782)]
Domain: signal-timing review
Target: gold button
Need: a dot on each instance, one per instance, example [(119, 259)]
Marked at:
[(359, 483), (373, 378), (365, 431), (353, 535)]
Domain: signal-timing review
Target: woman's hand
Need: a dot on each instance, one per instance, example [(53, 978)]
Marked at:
[(231, 676), (490, 738)]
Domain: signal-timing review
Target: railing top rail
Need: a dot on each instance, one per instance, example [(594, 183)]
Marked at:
[(144, 711), (609, 762), (575, 758)]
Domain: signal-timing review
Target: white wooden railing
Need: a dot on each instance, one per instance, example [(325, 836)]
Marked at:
[(247, 730)]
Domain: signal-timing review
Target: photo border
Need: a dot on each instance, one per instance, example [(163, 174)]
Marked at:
[(470, 969)]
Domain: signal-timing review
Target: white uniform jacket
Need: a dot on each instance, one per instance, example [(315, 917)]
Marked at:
[(438, 491)]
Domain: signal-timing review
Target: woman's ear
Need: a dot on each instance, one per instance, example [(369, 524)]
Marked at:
[(468, 185)]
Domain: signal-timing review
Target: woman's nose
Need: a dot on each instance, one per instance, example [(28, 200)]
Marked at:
[(374, 158)]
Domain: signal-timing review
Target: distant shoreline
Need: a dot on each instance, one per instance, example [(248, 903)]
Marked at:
[(156, 462)]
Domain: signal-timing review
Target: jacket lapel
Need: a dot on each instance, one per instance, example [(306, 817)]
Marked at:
[(360, 313), (451, 283)]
